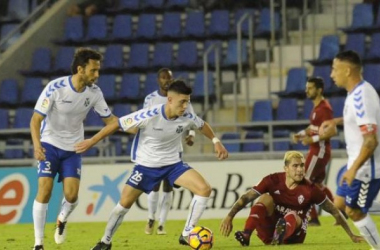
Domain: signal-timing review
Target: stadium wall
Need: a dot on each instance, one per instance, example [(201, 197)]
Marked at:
[(101, 186)]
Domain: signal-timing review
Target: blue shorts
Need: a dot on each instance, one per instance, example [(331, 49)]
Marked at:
[(65, 163), (145, 178), (341, 189), (361, 194)]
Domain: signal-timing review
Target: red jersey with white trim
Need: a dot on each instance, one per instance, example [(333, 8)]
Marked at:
[(299, 199), (322, 112)]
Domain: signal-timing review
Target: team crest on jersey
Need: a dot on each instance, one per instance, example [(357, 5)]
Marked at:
[(301, 199), (179, 129), (87, 102), (128, 121), (45, 103)]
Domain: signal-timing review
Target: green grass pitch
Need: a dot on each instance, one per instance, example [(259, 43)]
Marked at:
[(131, 236)]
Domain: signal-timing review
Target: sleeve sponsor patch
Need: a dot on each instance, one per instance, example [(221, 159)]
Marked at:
[(368, 129), (45, 103)]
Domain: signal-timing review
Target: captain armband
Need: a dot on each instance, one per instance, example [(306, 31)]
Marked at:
[(368, 129)]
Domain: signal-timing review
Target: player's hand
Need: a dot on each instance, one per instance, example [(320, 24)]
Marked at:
[(328, 128), (189, 140), (226, 226), (83, 146), (348, 176), (39, 153), (307, 140), (296, 138), (221, 151), (357, 239)]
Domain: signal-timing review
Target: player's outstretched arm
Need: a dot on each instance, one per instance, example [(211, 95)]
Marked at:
[(226, 226), (329, 207), (109, 129), (221, 151)]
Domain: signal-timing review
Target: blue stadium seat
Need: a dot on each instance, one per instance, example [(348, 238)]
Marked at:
[(211, 55), (245, 26), (13, 153), (281, 145), (219, 23), (163, 55), (171, 25), (198, 88), (287, 110), (356, 42), (153, 4), (329, 47), (150, 84), (17, 10), (22, 117), (41, 63), (324, 71), (32, 89), (5, 30), (4, 118), (362, 18), (335, 143), (337, 104), (307, 108), (253, 146), (146, 27), (300, 147), (181, 75), (113, 59), (107, 83), (93, 119), (262, 111), (122, 28), (120, 110), (92, 152), (74, 29), (373, 54), (130, 88), (295, 83), (371, 74), (96, 28), (231, 58), (128, 5), (195, 25), (232, 147), (63, 60), (264, 27), (138, 56), (187, 55), (177, 4), (9, 93)]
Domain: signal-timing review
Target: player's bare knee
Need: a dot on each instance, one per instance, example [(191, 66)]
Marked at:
[(354, 214), (204, 190), (268, 202), (71, 198)]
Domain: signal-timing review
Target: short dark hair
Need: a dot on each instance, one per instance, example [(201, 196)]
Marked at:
[(350, 56), (318, 82), (82, 57), (162, 70), (180, 87)]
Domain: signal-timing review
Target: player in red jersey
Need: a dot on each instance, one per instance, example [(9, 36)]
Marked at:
[(320, 150), (280, 216)]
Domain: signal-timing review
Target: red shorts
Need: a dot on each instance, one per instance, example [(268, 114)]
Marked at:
[(265, 231), (316, 167)]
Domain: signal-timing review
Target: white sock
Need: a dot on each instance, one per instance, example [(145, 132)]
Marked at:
[(39, 220), (197, 206), (115, 220), (369, 231), (152, 204), (66, 209), (165, 204)]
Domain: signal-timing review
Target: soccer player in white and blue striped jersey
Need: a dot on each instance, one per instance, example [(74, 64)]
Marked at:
[(361, 121), (164, 79), (56, 126), (155, 153)]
